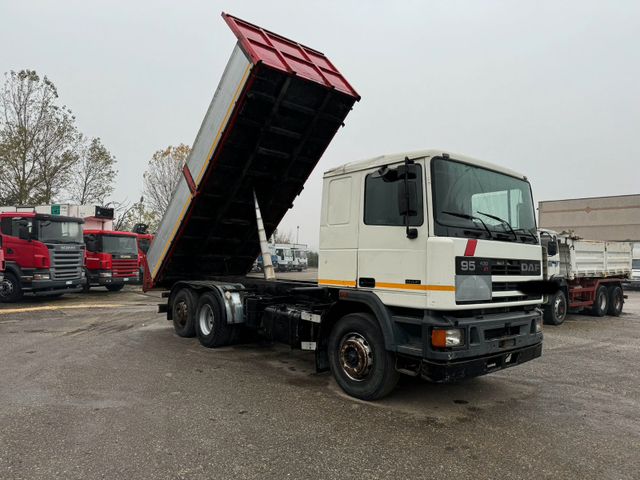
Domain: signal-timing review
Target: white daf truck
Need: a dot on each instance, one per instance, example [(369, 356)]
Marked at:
[(429, 262), (590, 275)]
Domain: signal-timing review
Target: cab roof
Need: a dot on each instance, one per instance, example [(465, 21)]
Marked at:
[(429, 153), (41, 216)]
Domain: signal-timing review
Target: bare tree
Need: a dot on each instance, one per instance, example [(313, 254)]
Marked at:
[(282, 237), (162, 176), (94, 173), (37, 138)]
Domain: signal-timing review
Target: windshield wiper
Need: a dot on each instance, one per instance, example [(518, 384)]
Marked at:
[(524, 230), (503, 221), (470, 217)]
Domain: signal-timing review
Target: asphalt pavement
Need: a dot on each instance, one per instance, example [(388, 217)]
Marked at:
[(98, 386)]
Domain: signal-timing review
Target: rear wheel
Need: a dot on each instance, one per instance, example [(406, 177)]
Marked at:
[(616, 301), (183, 312), (211, 324), (10, 288), (115, 288), (555, 311), (359, 361), (601, 302)]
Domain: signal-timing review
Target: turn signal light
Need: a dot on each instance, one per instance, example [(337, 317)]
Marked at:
[(451, 337)]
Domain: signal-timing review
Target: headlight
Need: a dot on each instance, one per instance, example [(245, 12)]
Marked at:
[(473, 288), (41, 276), (451, 337), (105, 274), (537, 325)]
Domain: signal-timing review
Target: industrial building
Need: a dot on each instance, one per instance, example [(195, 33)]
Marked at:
[(595, 218)]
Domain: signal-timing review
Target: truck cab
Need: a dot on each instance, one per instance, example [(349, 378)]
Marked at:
[(144, 242), (43, 255), (111, 259), (446, 247)]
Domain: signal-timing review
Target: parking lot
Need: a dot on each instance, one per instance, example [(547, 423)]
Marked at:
[(98, 386)]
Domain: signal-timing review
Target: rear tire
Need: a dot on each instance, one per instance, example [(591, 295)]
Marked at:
[(114, 288), (183, 313), (211, 323), (10, 288), (555, 311), (616, 301), (601, 302), (358, 359)]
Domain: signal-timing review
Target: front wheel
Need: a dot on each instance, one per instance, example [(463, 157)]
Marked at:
[(555, 311), (115, 288), (616, 301), (601, 302), (358, 359), (10, 288)]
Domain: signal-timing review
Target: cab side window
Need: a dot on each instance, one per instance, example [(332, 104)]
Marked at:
[(382, 202)]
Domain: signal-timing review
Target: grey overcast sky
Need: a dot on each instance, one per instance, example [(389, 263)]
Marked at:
[(547, 88)]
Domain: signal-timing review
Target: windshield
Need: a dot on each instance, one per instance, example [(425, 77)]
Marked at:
[(119, 244), (143, 244), (471, 201), (51, 231)]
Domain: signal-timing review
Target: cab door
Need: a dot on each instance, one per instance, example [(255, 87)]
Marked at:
[(392, 257), (17, 250)]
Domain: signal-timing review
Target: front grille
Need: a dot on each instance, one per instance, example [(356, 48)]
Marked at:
[(125, 268), (507, 267), (66, 264)]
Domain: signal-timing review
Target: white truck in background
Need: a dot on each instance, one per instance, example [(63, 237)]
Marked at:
[(590, 274), (634, 281)]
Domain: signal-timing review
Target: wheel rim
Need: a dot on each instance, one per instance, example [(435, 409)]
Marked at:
[(6, 288), (560, 307), (182, 313), (356, 356), (603, 301), (617, 301), (206, 320)]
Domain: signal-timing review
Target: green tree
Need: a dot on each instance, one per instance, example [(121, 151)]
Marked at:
[(38, 137)]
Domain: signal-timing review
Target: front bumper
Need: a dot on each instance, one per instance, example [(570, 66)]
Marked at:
[(96, 280), (457, 370), (52, 287), (492, 341)]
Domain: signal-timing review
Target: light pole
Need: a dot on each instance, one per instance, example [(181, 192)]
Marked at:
[(298, 234)]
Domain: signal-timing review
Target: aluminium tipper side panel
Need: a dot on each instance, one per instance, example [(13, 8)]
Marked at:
[(226, 95), (597, 259), (267, 127)]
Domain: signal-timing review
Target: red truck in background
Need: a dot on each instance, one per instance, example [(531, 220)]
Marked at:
[(111, 259), (43, 255), (1, 262)]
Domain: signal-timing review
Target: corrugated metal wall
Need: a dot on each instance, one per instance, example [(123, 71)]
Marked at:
[(597, 218)]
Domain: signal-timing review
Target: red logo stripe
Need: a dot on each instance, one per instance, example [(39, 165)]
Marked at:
[(470, 251)]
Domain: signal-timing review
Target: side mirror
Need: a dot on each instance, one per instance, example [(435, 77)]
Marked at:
[(407, 199), (552, 247), (23, 230), (90, 242)]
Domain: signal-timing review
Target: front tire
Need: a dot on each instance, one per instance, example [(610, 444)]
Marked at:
[(115, 288), (555, 311), (183, 313), (10, 288), (358, 359), (211, 324), (601, 302), (616, 301)]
